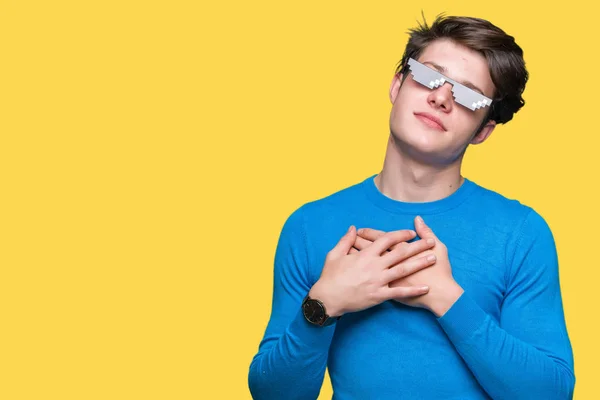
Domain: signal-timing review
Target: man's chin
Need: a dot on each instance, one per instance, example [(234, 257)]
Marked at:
[(427, 152)]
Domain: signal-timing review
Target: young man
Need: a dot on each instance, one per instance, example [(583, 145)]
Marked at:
[(450, 290)]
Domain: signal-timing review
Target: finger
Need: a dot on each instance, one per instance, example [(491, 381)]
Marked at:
[(345, 244), (423, 229), (403, 292), (405, 252), (419, 255), (374, 234), (408, 267), (353, 250), (389, 239), (361, 243)]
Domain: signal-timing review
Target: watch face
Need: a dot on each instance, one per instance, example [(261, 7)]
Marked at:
[(313, 311)]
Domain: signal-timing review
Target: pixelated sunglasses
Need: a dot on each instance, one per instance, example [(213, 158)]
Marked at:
[(432, 79)]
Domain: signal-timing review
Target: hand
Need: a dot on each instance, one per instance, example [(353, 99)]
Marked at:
[(354, 282), (444, 290)]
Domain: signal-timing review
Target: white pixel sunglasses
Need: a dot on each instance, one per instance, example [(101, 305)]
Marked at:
[(432, 79)]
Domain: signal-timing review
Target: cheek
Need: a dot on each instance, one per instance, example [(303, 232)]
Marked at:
[(407, 102), (414, 94), (466, 121)]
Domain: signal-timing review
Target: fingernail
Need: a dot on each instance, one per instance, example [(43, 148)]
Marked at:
[(420, 219), (424, 288), (413, 232), (349, 229), (360, 231), (431, 258), (430, 241)]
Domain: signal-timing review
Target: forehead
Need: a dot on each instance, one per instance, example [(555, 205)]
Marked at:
[(461, 64)]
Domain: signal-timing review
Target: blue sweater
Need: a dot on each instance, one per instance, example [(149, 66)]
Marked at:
[(504, 338)]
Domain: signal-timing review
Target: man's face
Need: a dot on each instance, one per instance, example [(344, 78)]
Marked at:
[(416, 107)]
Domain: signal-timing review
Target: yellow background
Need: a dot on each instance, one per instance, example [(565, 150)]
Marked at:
[(151, 151)]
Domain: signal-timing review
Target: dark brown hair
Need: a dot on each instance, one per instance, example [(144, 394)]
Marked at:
[(503, 55)]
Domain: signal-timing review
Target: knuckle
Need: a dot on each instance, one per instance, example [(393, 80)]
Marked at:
[(401, 249), (364, 254), (399, 271), (412, 249), (377, 234), (373, 297), (387, 238), (416, 244)]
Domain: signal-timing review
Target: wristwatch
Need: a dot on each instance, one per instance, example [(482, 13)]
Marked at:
[(314, 311)]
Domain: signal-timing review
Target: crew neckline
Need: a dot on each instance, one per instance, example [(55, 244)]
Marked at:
[(430, 207)]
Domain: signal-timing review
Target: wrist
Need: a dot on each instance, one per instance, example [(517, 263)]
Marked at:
[(445, 298), (321, 293)]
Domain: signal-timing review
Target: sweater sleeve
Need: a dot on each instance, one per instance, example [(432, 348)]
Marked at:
[(292, 356), (527, 354)]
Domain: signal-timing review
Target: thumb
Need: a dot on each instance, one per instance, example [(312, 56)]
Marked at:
[(345, 244), (423, 229)]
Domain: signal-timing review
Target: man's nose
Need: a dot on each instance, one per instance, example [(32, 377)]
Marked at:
[(442, 97)]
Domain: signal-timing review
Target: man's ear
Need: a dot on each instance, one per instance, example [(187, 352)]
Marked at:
[(484, 132), (395, 87)]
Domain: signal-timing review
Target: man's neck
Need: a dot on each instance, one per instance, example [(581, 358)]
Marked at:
[(405, 179)]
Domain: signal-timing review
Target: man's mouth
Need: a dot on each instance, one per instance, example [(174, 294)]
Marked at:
[(431, 121)]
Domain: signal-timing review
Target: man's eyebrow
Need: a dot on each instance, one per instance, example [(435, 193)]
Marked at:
[(444, 70)]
